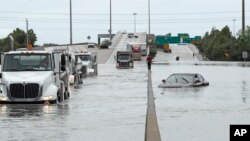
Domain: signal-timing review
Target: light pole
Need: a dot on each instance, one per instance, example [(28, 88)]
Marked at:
[(134, 22), (110, 21), (149, 17), (27, 34), (243, 17), (234, 26), (70, 12)]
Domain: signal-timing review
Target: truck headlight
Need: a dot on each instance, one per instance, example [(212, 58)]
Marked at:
[(3, 98), (50, 97)]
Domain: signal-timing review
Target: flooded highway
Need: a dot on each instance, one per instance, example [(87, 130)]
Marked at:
[(111, 106)]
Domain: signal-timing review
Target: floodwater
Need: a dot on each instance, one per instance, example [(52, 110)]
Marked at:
[(109, 107), (112, 107), (202, 113)]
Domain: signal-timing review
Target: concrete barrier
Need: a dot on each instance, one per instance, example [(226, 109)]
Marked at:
[(152, 132)]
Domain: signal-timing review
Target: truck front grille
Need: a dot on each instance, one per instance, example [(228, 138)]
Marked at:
[(29, 90), (124, 64), (84, 70)]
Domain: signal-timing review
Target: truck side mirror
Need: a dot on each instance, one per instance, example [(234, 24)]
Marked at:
[(0, 58), (0, 75), (69, 58), (115, 58), (63, 68), (76, 60), (63, 60)]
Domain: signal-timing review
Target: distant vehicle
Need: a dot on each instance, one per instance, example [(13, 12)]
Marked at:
[(88, 62), (166, 48), (179, 80), (132, 35), (144, 52), (136, 50), (124, 59), (91, 45)]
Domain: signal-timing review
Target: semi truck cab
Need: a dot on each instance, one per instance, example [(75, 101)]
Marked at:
[(33, 77), (124, 59)]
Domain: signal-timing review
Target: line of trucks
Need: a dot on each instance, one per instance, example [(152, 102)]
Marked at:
[(42, 75), (134, 51)]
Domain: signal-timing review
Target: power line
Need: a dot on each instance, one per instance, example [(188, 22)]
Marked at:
[(121, 21), (120, 14)]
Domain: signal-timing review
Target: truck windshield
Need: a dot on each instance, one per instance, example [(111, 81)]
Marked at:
[(27, 62), (123, 57), (84, 57)]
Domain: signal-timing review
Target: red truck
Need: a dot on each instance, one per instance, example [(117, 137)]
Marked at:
[(136, 51)]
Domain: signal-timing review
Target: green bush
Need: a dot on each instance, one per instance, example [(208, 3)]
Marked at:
[(153, 52)]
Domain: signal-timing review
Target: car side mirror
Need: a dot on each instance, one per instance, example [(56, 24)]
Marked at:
[(197, 81)]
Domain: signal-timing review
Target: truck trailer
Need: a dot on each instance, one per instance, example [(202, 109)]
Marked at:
[(136, 50)]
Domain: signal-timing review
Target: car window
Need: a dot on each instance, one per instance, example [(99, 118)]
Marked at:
[(184, 79), (180, 79), (171, 79)]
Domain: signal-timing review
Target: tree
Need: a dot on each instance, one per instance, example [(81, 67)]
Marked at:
[(19, 39), (105, 44), (218, 45)]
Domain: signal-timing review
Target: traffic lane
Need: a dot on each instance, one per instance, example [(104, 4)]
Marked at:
[(33, 122), (183, 51), (111, 106), (202, 113)]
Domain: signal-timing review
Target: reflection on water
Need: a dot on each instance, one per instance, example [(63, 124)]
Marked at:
[(244, 91), (32, 110), (183, 92)]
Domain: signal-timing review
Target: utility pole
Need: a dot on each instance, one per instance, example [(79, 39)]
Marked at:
[(234, 26), (134, 22), (243, 17), (149, 17), (27, 34), (110, 21), (70, 12)]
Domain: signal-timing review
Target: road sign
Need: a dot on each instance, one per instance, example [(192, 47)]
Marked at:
[(244, 54)]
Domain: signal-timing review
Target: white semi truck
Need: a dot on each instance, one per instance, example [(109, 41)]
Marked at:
[(34, 76), (88, 61)]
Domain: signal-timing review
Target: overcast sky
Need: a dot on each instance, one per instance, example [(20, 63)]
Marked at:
[(50, 18)]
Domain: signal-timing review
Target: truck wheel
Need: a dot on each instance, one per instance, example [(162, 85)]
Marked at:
[(59, 98), (66, 94)]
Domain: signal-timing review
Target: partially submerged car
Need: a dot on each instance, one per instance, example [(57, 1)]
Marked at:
[(178, 80)]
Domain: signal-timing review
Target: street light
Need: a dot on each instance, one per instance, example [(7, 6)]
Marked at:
[(149, 17), (243, 17), (134, 22), (110, 21), (27, 32)]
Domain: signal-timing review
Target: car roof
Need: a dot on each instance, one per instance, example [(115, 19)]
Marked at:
[(185, 74)]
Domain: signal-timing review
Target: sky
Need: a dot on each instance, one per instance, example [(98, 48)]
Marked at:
[(50, 18)]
